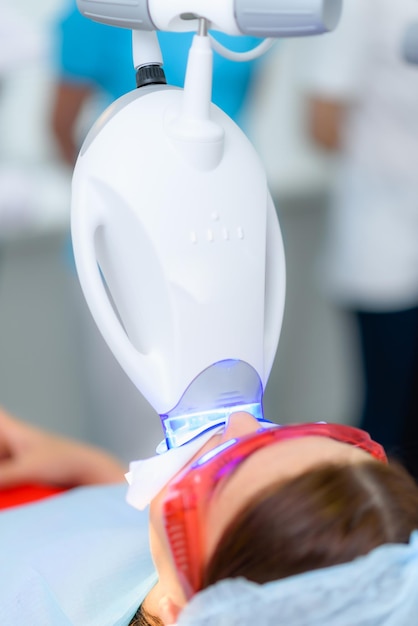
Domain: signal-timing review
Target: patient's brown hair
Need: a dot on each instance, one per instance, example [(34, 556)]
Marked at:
[(325, 516), (143, 618)]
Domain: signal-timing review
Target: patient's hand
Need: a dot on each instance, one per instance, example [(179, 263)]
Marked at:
[(32, 455)]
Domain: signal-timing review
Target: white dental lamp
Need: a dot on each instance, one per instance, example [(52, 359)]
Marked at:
[(176, 240)]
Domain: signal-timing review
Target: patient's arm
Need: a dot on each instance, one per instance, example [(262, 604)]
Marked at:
[(32, 455)]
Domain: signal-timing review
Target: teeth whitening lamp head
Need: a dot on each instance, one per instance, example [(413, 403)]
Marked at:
[(259, 18), (176, 239)]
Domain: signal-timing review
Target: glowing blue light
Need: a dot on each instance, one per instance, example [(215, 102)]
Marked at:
[(222, 389)]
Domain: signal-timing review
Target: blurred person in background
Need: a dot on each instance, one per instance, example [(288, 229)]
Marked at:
[(94, 67), (22, 44), (363, 106)]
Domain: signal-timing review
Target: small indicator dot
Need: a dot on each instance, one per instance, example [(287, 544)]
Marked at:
[(240, 232), (215, 216), (193, 237)]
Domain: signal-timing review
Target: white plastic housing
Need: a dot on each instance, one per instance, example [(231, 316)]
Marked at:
[(145, 48), (220, 14), (190, 249), (261, 18)]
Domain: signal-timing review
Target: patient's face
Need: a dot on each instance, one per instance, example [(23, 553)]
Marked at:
[(279, 461)]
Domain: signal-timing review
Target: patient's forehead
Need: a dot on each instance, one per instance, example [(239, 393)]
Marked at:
[(280, 461)]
